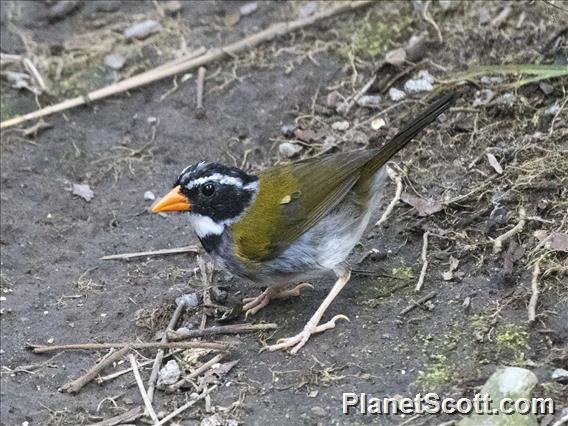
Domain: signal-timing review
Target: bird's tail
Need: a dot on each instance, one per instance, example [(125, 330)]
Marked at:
[(385, 153)]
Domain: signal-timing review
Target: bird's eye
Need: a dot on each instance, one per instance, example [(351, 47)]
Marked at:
[(208, 189)]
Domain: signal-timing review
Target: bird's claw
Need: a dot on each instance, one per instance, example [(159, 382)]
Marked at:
[(255, 304), (299, 340)]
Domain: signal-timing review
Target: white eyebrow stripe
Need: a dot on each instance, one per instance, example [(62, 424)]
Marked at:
[(216, 177)]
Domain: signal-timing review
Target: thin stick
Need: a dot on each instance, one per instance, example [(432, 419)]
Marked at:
[(129, 416), (535, 292), (199, 110), (498, 242), (101, 380), (177, 250), (160, 355), (184, 333), (424, 261), (398, 179), (431, 21), (185, 406), (40, 349), (143, 393), (348, 104), (174, 387), (418, 303), (76, 385), (212, 55)]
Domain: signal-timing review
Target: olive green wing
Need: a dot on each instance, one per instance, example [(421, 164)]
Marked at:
[(291, 199)]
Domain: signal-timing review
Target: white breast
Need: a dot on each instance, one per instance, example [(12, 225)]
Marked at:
[(204, 225)]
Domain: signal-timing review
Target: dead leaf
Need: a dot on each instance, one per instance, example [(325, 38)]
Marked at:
[(83, 190), (557, 241), (232, 19), (423, 206), (306, 135), (494, 163), (449, 274), (396, 57), (215, 374)]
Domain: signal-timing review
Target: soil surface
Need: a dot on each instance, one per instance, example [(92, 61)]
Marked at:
[(56, 289)]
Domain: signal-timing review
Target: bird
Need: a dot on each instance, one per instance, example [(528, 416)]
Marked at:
[(291, 222)]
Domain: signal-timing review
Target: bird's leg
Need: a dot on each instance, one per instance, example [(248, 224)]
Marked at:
[(255, 304), (313, 326)]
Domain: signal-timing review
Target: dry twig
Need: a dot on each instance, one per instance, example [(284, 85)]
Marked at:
[(212, 55), (398, 179), (76, 385), (206, 366), (534, 288), (418, 303), (498, 242), (143, 393), (124, 418), (426, 16), (424, 261), (199, 110), (186, 406), (177, 250), (216, 346), (160, 355), (184, 333)]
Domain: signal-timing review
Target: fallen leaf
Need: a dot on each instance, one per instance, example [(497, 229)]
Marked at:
[(396, 57), (216, 373), (232, 19), (306, 135), (557, 241), (423, 206), (83, 190), (494, 163)]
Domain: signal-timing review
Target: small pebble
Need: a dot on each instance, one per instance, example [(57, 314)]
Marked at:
[(62, 8), (559, 373), (546, 88), (369, 101), (172, 7), (552, 109), (422, 83), (115, 61), (377, 123), (169, 373), (396, 94), (506, 99), (483, 97), (307, 9), (288, 130), (248, 8), (288, 149), (416, 47), (143, 29), (318, 411), (149, 196), (446, 5), (189, 300), (340, 125), (396, 57), (107, 5)]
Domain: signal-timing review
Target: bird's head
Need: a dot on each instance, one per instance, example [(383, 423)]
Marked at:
[(215, 196)]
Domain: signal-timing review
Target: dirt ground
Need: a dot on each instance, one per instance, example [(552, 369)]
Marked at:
[(56, 289)]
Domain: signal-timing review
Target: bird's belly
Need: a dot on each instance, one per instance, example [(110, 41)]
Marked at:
[(330, 241), (321, 248)]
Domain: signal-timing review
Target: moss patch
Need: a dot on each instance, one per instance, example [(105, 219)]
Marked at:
[(378, 33), (439, 374)]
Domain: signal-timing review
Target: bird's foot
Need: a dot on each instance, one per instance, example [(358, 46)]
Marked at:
[(299, 340), (255, 304)]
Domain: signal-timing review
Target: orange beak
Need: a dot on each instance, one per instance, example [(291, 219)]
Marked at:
[(173, 201)]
